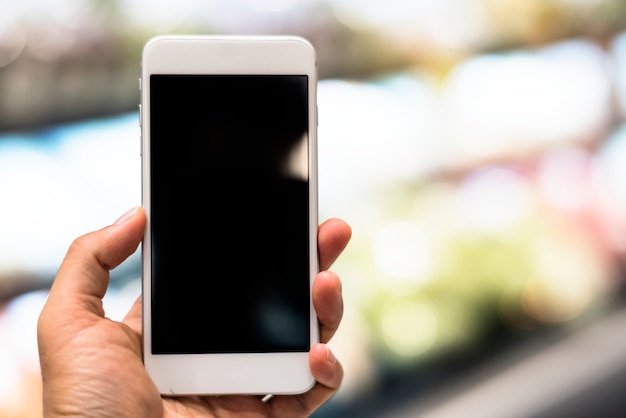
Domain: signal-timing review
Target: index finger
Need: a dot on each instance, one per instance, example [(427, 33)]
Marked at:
[(332, 238)]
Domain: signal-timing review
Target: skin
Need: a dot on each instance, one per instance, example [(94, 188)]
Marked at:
[(92, 366)]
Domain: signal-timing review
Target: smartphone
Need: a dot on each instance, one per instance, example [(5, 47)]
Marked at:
[(229, 187)]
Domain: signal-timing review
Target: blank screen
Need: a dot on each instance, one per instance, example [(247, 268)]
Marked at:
[(229, 213)]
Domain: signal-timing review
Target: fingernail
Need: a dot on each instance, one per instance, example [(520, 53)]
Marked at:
[(126, 216), (330, 356)]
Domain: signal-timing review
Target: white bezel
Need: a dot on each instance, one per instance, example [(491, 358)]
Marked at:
[(267, 373)]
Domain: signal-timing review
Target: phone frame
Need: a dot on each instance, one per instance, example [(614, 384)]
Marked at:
[(263, 373)]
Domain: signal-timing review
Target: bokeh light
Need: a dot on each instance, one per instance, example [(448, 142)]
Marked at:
[(404, 255), (493, 200), (409, 326)]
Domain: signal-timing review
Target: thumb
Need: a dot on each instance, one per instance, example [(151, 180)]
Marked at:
[(83, 277)]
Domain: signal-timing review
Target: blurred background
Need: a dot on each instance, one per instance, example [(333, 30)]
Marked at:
[(476, 147)]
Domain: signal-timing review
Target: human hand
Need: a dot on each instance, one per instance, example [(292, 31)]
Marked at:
[(92, 366)]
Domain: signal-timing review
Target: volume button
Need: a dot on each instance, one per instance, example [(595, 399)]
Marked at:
[(140, 131)]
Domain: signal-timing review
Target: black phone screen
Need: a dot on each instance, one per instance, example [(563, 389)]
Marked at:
[(229, 214)]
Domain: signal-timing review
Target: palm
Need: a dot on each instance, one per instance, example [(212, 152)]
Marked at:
[(216, 407)]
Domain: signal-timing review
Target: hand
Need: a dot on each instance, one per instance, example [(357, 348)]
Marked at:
[(92, 366)]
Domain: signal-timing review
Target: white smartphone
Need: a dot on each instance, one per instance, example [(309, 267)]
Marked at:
[(229, 186)]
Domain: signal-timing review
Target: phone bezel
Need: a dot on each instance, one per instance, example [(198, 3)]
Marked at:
[(263, 373)]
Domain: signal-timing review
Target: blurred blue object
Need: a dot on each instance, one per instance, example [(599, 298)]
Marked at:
[(59, 183)]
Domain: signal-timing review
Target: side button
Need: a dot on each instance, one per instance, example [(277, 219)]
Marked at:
[(140, 116)]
